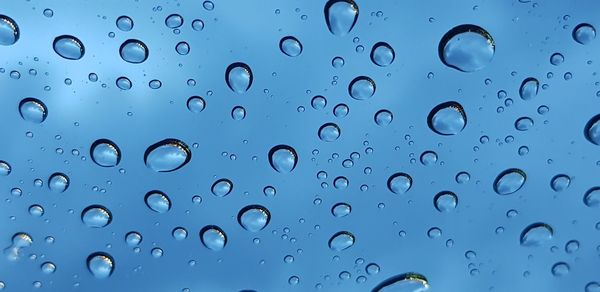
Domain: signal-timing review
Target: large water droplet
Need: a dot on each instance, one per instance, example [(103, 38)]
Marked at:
[(96, 216), (254, 217), (48, 268), (100, 264), (105, 153), (509, 181), (174, 21), (341, 241), (158, 201), (341, 210), (69, 47), (584, 33), (560, 269), (529, 88), (33, 110), (239, 77), (592, 197), (448, 118), (167, 155), (523, 123), (399, 183), (133, 238), (133, 51), (329, 132), (182, 48), (213, 237), (382, 54), (283, 158), (123, 83), (409, 282), (467, 48), (383, 117), (124, 23), (536, 234), (9, 31), (445, 201), (560, 182), (58, 182), (290, 46), (361, 88), (196, 104), (222, 187), (592, 130), (341, 15), (5, 168)]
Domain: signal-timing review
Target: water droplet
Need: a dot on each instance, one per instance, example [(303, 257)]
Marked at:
[(467, 48), (361, 88), (100, 264), (399, 183), (428, 158), (509, 181), (36, 210), (133, 51), (254, 218), (341, 110), (382, 54), (592, 197), (158, 201), (383, 117), (33, 110), (196, 104), (445, 201), (341, 210), (329, 132), (48, 12), (58, 182), (197, 25), (448, 118), (283, 158), (557, 59), (592, 287), (48, 268), (5, 168), (213, 237), (222, 187), (340, 16), (560, 269), (523, 123), (372, 269), (337, 62), (560, 182), (529, 88), (238, 113), (182, 48), (123, 83), (208, 5), (592, 130), (409, 282), (68, 47), (536, 234), (96, 216), (124, 23), (174, 21), (179, 233), (167, 155), (434, 232), (9, 31), (105, 153), (572, 246), (133, 238), (584, 33), (239, 77), (341, 241), (318, 102), (290, 46), (156, 252)]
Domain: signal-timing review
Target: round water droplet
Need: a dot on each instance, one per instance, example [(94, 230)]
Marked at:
[(329, 132), (213, 237), (33, 110), (133, 238), (536, 234), (467, 48), (560, 269), (337, 62), (382, 54), (341, 110), (557, 59), (448, 118), (36, 210), (124, 23), (167, 155), (254, 218), (572, 246), (529, 88), (584, 33), (238, 113), (318, 102), (399, 183), (182, 48), (68, 47), (105, 153), (123, 83), (196, 104), (592, 197), (100, 264), (96, 216), (197, 25), (179, 233), (341, 241), (5, 168), (428, 158), (290, 46), (560, 182), (509, 181), (592, 130), (283, 158), (340, 16), (58, 182), (592, 287), (48, 268), (445, 201), (239, 77), (409, 282), (9, 31), (158, 201), (383, 117), (523, 123), (133, 51), (222, 187), (174, 21), (372, 269), (361, 88), (341, 210)]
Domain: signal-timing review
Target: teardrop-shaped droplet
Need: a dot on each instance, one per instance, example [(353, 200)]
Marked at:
[(101, 265), (592, 130), (399, 183), (290, 46), (448, 118), (467, 48), (509, 181), (222, 187), (341, 210), (96, 216), (9, 31), (409, 282), (341, 241), (283, 158), (341, 15), (239, 77), (529, 88), (58, 182), (445, 201), (196, 104), (382, 54), (560, 182), (105, 153), (134, 51), (69, 47), (361, 88), (124, 23), (254, 218), (592, 197), (329, 132), (158, 201), (33, 110), (536, 234), (213, 237), (584, 33), (167, 155)]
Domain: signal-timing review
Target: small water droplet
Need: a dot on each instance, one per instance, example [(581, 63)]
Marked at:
[(133, 238), (68, 47), (174, 21), (560, 269), (383, 117), (5, 168), (123, 83), (592, 130), (584, 33), (182, 48), (523, 124), (557, 59), (467, 48), (196, 104), (238, 113), (529, 88), (340, 16), (48, 268), (448, 118), (341, 210), (167, 155), (592, 197), (179, 233), (509, 181)]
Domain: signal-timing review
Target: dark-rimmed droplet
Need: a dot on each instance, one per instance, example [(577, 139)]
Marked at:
[(9, 31), (382, 54), (408, 282), (124, 23), (222, 187), (584, 33), (134, 51), (536, 234), (529, 88), (254, 217), (341, 241), (592, 197), (58, 182), (448, 118), (158, 201), (283, 158), (509, 181), (167, 155), (290, 46), (68, 47), (467, 48), (362, 88), (399, 183), (592, 130), (213, 237), (445, 201), (33, 110), (105, 153), (239, 77), (340, 16), (101, 265), (96, 216), (329, 132)]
